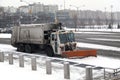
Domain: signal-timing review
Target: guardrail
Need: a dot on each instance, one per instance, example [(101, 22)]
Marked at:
[(113, 74), (66, 67)]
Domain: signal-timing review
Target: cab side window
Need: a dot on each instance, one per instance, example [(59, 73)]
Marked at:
[(54, 37)]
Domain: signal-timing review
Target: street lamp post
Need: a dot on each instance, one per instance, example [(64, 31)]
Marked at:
[(56, 20), (19, 16), (29, 9), (77, 14), (111, 16), (106, 21), (64, 4)]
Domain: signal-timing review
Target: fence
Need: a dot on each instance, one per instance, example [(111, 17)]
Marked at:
[(112, 74), (66, 67)]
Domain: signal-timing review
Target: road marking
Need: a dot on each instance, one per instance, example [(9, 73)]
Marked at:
[(104, 39)]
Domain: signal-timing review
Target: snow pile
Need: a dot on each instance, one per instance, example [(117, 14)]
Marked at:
[(100, 61), (86, 32), (5, 47), (14, 72), (106, 30), (2, 35), (96, 46)]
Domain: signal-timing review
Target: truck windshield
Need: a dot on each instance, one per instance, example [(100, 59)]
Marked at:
[(66, 37)]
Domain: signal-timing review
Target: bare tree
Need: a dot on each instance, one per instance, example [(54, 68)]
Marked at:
[(75, 21), (98, 21), (118, 26), (1, 11)]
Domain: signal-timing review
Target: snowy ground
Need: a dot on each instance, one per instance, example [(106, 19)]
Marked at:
[(100, 30), (14, 72), (77, 73), (2, 35), (96, 46), (96, 61)]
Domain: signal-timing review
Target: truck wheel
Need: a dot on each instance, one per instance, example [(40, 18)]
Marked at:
[(21, 48), (28, 48), (49, 51)]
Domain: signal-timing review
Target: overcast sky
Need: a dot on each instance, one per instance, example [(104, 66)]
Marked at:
[(89, 4)]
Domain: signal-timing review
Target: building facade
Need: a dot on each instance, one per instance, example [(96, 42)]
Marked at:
[(38, 7)]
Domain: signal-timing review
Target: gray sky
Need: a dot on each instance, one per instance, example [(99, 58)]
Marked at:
[(89, 4)]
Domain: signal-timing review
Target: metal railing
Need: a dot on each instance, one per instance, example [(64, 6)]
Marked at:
[(90, 71)]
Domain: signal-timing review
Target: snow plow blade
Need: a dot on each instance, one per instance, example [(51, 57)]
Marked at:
[(79, 53)]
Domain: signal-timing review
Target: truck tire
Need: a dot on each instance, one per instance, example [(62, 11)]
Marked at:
[(28, 48), (49, 51), (21, 48)]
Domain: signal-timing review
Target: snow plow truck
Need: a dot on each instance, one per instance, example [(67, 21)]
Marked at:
[(49, 37)]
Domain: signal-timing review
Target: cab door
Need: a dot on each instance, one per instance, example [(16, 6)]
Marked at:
[(54, 42)]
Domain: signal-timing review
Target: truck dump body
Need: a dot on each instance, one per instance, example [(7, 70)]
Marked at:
[(31, 33)]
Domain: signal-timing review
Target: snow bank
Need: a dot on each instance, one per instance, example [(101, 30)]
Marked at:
[(94, 32), (5, 47), (2, 35), (96, 46), (100, 61), (103, 30), (13, 72)]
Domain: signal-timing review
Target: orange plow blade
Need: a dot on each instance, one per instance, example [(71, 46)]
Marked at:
[(79, 53)]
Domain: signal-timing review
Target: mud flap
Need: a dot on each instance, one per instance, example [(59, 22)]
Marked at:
[(79, 53)]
